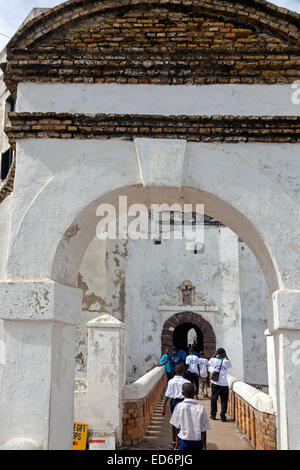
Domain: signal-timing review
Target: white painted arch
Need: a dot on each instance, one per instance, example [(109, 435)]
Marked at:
[(66, 181), (59, 185)]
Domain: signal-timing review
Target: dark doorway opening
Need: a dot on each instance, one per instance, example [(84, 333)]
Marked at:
[(181, 336), (206, 338)]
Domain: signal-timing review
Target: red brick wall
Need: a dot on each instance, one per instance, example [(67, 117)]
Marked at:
[(137, 414), (258, 427), (169, 42), (192, 128), (209, 338)]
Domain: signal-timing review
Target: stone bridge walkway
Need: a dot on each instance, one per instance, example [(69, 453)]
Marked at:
[(222, 436)]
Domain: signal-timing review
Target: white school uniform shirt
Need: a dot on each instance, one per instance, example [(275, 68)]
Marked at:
[(193, 362), (203, 367), (226, 364), (191, 418), (174, 389)]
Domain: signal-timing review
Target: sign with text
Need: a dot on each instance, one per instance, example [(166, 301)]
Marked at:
[(80, 431), (102, 440)]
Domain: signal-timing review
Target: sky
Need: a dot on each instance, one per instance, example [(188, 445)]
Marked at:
[(13, 13)]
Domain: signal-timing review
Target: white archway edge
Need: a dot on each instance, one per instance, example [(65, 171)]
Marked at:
[(37, 370), (286, 310), (66, 180), (59, 185), (235, 100), (40, 300)]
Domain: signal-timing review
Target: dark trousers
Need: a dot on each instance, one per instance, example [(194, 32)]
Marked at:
[(189, 445), (223, 392), (194, 379), (174, 402)]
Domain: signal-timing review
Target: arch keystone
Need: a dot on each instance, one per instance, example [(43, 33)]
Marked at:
[(161, 161)]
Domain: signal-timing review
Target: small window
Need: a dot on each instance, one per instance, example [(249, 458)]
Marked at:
[(9, 107), (6, 161), (11, 104), (199, 248), (157, 242)]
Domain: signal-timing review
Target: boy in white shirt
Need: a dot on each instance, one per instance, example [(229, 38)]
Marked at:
[(191, 421), (174, 392), (221, 364), (193, 362)]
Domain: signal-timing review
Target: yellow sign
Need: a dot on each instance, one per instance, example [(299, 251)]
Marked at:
[(80, 431)]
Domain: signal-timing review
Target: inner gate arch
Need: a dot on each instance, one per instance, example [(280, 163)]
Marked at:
[(209, 337)]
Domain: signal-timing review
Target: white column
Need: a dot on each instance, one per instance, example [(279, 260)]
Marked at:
[(230, 333), (106, 374), (38, 363), (285, 330), (271, 365)]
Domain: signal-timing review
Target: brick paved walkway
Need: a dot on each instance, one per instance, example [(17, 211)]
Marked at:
[(222, 436)]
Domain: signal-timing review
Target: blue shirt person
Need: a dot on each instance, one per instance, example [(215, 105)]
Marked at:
[(165, 362)]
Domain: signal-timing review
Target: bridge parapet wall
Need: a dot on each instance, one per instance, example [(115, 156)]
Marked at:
[(254, 414), (139, 402)]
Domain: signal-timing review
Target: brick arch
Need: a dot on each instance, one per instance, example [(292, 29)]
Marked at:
[(268, 17), (171, 35), (209, 337)]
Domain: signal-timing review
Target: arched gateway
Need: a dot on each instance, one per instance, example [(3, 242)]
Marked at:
[(103, 110), (175, 332)]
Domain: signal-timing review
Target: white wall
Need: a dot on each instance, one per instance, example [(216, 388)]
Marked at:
[(242, 100), (155, 271), (92, 280), (253, 293), (5, 212), (227, 273)]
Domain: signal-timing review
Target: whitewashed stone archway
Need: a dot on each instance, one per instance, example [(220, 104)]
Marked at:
[(59, 185)]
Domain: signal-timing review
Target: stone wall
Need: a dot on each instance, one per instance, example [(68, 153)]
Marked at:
[(254, 295), (259, 426), (137, 413), (136, 301), (169, 42), (191, 128), (152, 276)]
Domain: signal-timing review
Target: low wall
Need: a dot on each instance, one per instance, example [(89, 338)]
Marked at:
[(139, 402), (253, 413)]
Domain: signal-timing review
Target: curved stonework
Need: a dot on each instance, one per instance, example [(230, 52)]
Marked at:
[(166, 42), (209, 338)]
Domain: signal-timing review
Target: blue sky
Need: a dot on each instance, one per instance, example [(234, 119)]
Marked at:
[(13, 12)]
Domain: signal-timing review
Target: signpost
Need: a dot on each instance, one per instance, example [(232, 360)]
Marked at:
[(80, 431), (102, 440)]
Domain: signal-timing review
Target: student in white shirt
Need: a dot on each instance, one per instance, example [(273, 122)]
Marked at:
[(203, 366), (174, 392), (192, 362), (221, 364), (191, 421)]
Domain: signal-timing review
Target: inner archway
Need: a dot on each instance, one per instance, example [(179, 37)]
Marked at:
[(182, 336), (175, 331)]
